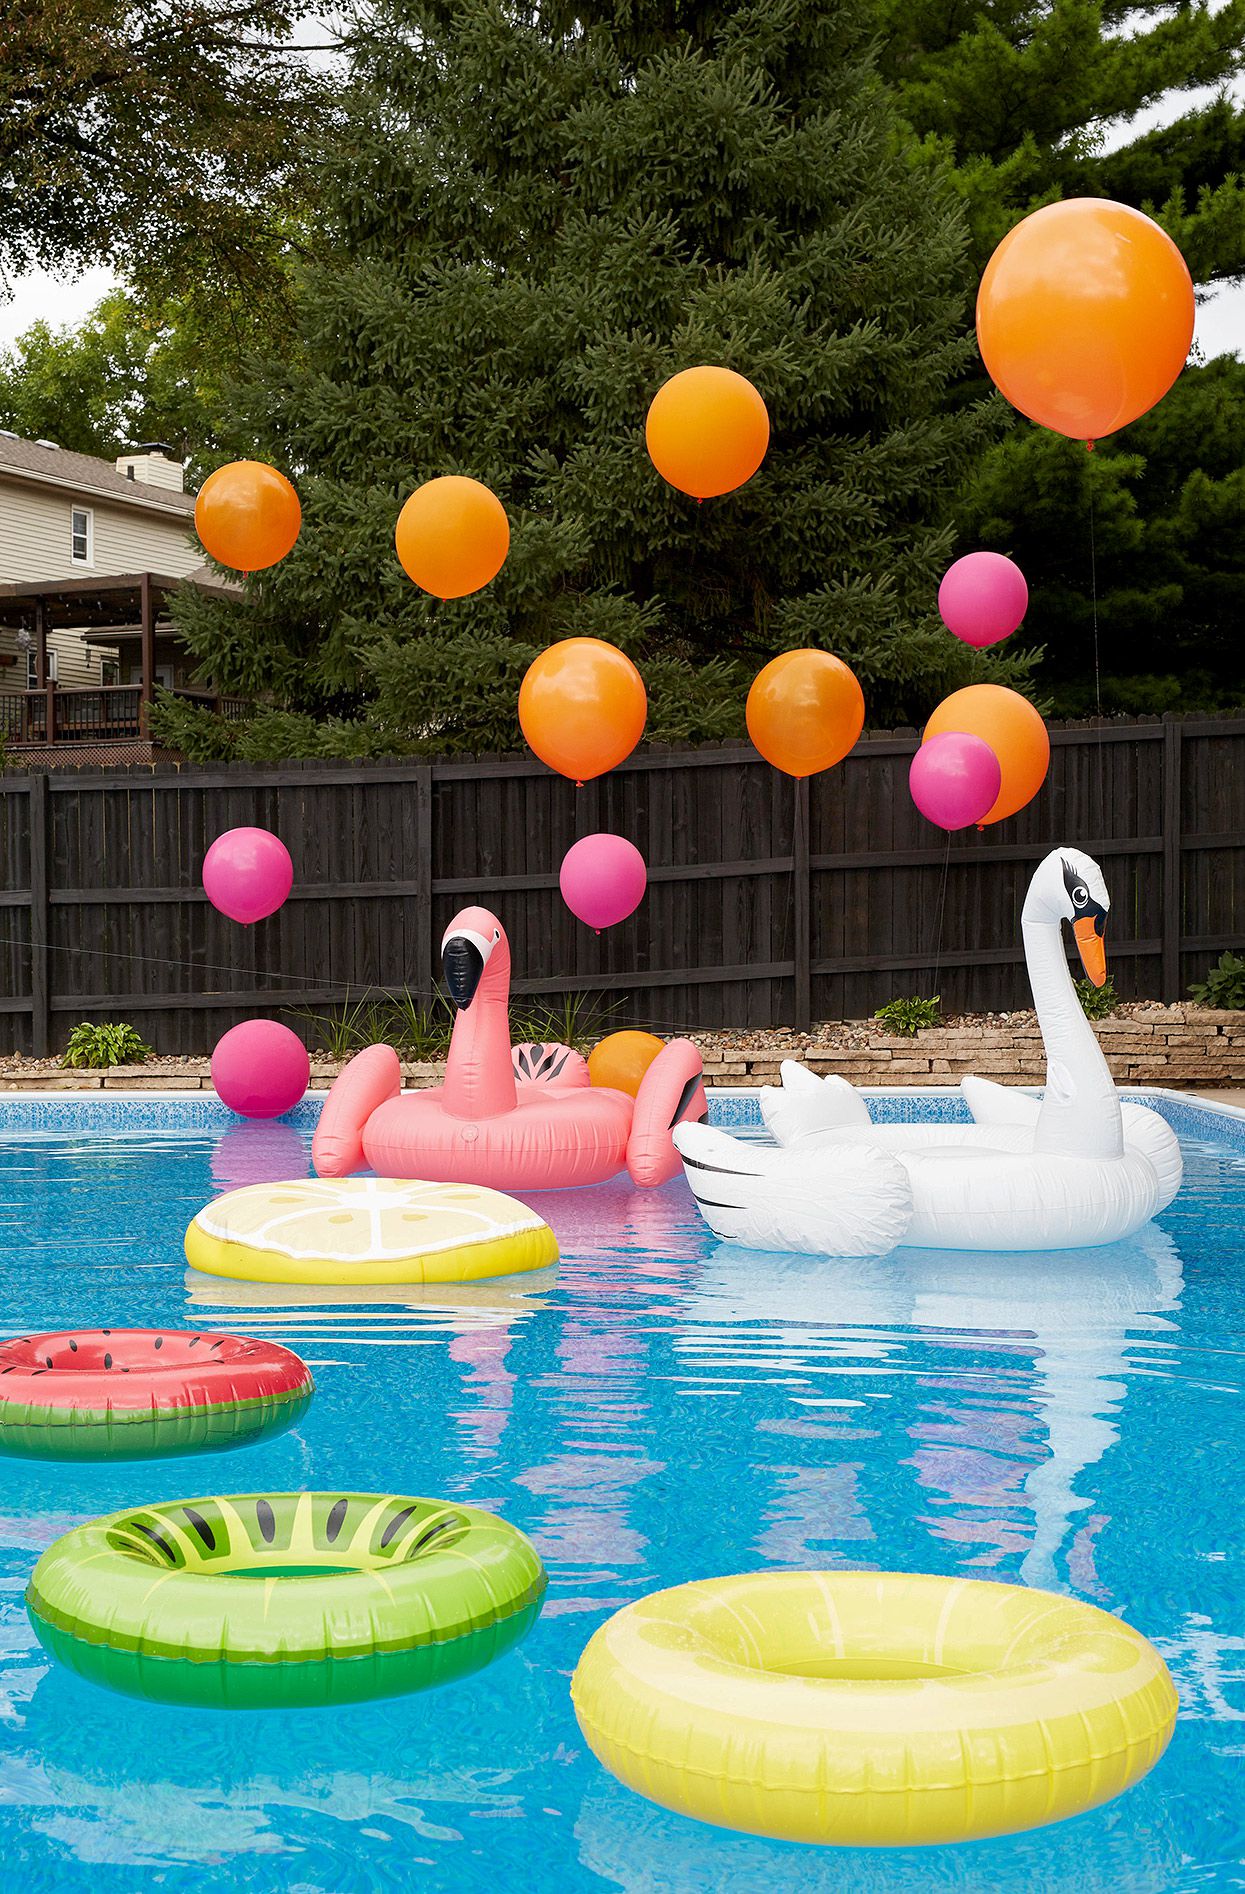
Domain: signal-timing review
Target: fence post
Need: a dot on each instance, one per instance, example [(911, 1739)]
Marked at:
[(1173, 890), (801, 911), (424, 979), (40, 999)]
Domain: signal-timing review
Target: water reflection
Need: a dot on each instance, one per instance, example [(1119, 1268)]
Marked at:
[(259, 1153), (1038, 1351)]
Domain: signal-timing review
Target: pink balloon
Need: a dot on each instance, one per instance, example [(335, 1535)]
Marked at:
[(603, 879), (954, 779), (260, 1068), (247, 874), (983, 598)]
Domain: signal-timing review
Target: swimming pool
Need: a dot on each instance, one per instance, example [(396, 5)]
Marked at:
[(658, 1409)]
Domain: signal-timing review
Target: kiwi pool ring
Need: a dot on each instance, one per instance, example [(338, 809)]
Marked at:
[(271, 1600)]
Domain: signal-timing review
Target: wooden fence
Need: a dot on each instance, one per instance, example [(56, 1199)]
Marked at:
[(768, 903)]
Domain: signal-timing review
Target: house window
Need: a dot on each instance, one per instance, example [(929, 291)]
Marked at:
[(81, 534), (32, 668), (110, 670)]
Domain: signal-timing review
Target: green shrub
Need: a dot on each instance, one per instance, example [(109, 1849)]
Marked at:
[(908, 1017), (1098, 1002), (421, 1029), (1224, 985), (108, 1044)]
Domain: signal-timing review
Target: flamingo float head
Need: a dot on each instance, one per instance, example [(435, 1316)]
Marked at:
[(1069, 886), (473, 939)]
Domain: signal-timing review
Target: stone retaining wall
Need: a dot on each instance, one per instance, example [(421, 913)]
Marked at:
[(1181, 1046)]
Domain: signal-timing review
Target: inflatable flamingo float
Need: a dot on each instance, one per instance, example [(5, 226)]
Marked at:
[(521, 1119)]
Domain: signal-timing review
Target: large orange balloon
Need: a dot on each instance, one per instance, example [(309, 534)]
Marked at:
[(452, 536), (622, 1059), (582, 706), (1013, 729), (247, 515), (707, 431), (805, 711), (1085, 316)]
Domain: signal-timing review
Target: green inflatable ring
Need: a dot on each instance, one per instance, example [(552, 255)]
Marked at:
[(268, 1600)]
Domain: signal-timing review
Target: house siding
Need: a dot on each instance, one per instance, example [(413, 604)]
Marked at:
[(35, 544)]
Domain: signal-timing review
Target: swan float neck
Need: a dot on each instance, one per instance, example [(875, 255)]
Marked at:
[(1080, 1114)]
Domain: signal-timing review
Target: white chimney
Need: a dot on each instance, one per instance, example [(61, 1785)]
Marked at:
[(152, 463)]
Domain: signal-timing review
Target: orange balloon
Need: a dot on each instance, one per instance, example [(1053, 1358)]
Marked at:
[(247, 515), (452, 536), (707, 431), (1085, 316), (582, 706), (622, 1059), (1013, 729), (805, 711)]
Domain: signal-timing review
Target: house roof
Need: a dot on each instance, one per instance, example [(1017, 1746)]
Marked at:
[(85, 604), (85, 473)]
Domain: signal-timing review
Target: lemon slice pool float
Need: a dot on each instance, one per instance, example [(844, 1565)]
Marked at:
[(367, 1229)]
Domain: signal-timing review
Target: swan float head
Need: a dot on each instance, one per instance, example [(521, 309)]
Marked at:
[(1068, 886), (470, 941)]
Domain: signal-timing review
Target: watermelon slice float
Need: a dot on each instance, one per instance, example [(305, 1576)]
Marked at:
[(144, 1393)]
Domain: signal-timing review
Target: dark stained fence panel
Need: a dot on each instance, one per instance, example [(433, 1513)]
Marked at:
[(766, 906)]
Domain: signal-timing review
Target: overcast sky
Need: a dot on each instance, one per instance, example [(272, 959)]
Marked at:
[(1220, 328)]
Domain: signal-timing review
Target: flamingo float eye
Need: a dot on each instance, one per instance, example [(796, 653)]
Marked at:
[(497, 933)]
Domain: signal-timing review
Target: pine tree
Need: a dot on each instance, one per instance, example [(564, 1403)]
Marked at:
[(539, 216), (1020, 97), (1017, 99)]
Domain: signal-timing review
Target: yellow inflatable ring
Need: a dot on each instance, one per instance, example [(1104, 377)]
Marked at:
[(367, 1229), (872, 1709)]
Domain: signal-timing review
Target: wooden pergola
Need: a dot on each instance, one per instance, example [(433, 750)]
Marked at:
[(127, 603)]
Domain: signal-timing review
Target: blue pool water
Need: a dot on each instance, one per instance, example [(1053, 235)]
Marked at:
[(660, 1408)]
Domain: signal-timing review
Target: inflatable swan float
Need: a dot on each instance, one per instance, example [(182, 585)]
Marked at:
[(516, 1119), (1076, 1170)]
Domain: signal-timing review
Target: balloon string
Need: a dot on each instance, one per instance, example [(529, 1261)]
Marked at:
[(941, 911), (1093, 591)]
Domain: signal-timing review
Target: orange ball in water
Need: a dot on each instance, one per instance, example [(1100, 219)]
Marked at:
[(582, 707), (1085, 316), (452, 536), (622, 1059), (805, 711), (707, 431), (247, 515), (1013, 729)]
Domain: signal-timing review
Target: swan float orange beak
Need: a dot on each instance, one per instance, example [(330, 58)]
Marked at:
[(1089, 944)]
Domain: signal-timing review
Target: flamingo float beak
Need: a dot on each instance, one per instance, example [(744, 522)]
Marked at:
[(1089, 931), (462, 963)]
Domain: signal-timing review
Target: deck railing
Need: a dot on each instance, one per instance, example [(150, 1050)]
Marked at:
[(90, 713)]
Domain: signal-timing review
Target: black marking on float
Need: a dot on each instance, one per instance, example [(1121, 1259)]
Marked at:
[(558, 1067), (395, 1525), (525, 1064), (434, 1531), (48, 1359), (219, 1342), (107, 1361), (159, 1341), (266, 1521), (156, 1538), (336, 1519), (719, 1170), (713, 1203), (685, 1098), (201, 1526), (193, 1340), (9, 1369), (73, 1348)]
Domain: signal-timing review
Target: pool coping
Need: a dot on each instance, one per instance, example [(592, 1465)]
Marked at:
[(730, 1106)]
